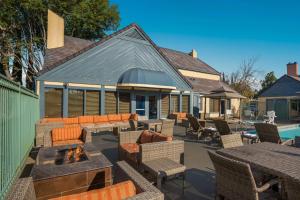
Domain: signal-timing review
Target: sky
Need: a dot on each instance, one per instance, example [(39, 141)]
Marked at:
[(224, 32)]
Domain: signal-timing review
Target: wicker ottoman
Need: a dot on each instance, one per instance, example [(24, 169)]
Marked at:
[(164, 167)]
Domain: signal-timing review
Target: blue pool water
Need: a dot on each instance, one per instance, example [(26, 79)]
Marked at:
[(286, 132)]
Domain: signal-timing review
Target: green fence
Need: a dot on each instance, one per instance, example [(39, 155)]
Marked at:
[(19, 110)]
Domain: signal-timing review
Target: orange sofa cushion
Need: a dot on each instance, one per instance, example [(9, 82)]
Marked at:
[(100, 118), (161, 138), (126, 117), (131, 147), (182, 115), (114, 117), (66, 133), (66, 142), (86, 119), (71, 120), (146, 137), (117, 191)]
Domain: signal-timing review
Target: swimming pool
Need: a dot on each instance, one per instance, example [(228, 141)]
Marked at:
[(286, 132)]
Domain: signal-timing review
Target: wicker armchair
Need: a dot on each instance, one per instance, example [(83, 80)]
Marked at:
[(269, 133), (292, 188), (167, 127), (42, 129), (23, 188), (232, 140), (234, 179), (297, 141)]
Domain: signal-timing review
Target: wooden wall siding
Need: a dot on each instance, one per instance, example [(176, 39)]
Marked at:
[(165, 105), (110, 102), (185, 104), (92, 103), (214, 105), (124, 103), (75, 103), (53, 102), (175, 103)]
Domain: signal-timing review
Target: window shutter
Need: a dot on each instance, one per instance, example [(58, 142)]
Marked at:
[(185, 104), (124, 103), (92, 102), (53, 102), (75, 103), (110, 102), (175, 103), (165, 105)]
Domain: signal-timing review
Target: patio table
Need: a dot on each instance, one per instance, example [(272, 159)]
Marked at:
[(151, 123), (279, 160)]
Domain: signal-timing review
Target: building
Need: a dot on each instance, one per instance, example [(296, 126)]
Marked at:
[(212, 97), (283, 96), (125, 72)]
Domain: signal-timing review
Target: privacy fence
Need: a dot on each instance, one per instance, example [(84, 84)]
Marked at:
[(19, 110)]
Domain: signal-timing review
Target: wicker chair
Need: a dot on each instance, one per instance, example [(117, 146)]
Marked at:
[(232, 140), (234, 179), (197, 129), (23, 188), (297, 141), (269, 133), (292, 189), (167, 127), (222, 127)]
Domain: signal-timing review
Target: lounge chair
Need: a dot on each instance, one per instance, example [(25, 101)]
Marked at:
[(269, 133), (232, 140), (222, 127), (197, 129), (235, 180), (297, 141)]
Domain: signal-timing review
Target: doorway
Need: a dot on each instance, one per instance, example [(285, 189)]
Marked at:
[(146, 106)]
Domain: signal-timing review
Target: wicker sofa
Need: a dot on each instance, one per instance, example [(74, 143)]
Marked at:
[(94, 123), (178, 116), (135, 151), (125, 175), (70, 134)]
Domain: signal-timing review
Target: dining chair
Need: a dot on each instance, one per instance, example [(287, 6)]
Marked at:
[(222, 127), (292, 189), (232, 140), (234, 179)]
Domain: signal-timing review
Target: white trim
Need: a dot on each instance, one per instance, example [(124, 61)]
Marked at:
[(84, 85), (145, 86), (53, 83)]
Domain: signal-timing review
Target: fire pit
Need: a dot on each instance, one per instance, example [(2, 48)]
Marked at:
[(70, 169)]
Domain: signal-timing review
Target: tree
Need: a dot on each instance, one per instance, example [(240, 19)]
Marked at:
[(269, 80), (244, 80), (23, 30)]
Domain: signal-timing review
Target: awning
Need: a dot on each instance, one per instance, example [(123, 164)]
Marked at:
[(144, 78), (226, 93)]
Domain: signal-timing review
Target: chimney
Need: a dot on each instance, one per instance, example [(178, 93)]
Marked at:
[(55, 31), (193, 53), (292, 69)]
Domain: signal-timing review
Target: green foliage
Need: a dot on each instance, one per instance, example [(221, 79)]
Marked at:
[(269, 80), (23, 30)]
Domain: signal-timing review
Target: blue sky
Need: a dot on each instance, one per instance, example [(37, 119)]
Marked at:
[(224, 32)]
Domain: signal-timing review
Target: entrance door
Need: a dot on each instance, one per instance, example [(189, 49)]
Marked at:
[(223, 107), (140, 105), (152, 107)]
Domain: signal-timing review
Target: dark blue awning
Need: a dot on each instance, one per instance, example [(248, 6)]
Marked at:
[(137, 77)]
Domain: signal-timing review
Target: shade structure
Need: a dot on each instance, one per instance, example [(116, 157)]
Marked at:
[(144, 78), (225, 92)]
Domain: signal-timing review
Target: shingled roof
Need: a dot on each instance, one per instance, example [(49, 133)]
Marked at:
[(185, 61), (57, 56)]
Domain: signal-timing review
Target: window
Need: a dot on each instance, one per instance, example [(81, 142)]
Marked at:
[(165, 105), (200, 102), (185, 104), (53, 102), (110, 102), (92, 102), (214, 105), (175, 103), (75, 103), (124, 103), (228, 104)]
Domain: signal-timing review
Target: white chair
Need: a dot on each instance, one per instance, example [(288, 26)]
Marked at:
[(270, 117)]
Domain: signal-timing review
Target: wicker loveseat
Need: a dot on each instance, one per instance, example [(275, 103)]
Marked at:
[(130, 184), (178, 116), (96, 122), (135, 149), (67, 135)]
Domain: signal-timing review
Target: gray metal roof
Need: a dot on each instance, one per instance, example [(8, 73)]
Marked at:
[(284, 86), (106, 62)]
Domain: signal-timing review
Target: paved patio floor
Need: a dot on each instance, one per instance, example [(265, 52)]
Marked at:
[(200, 175)]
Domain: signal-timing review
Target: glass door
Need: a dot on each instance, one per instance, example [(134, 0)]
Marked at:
[(152, 107), (140, 105)]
